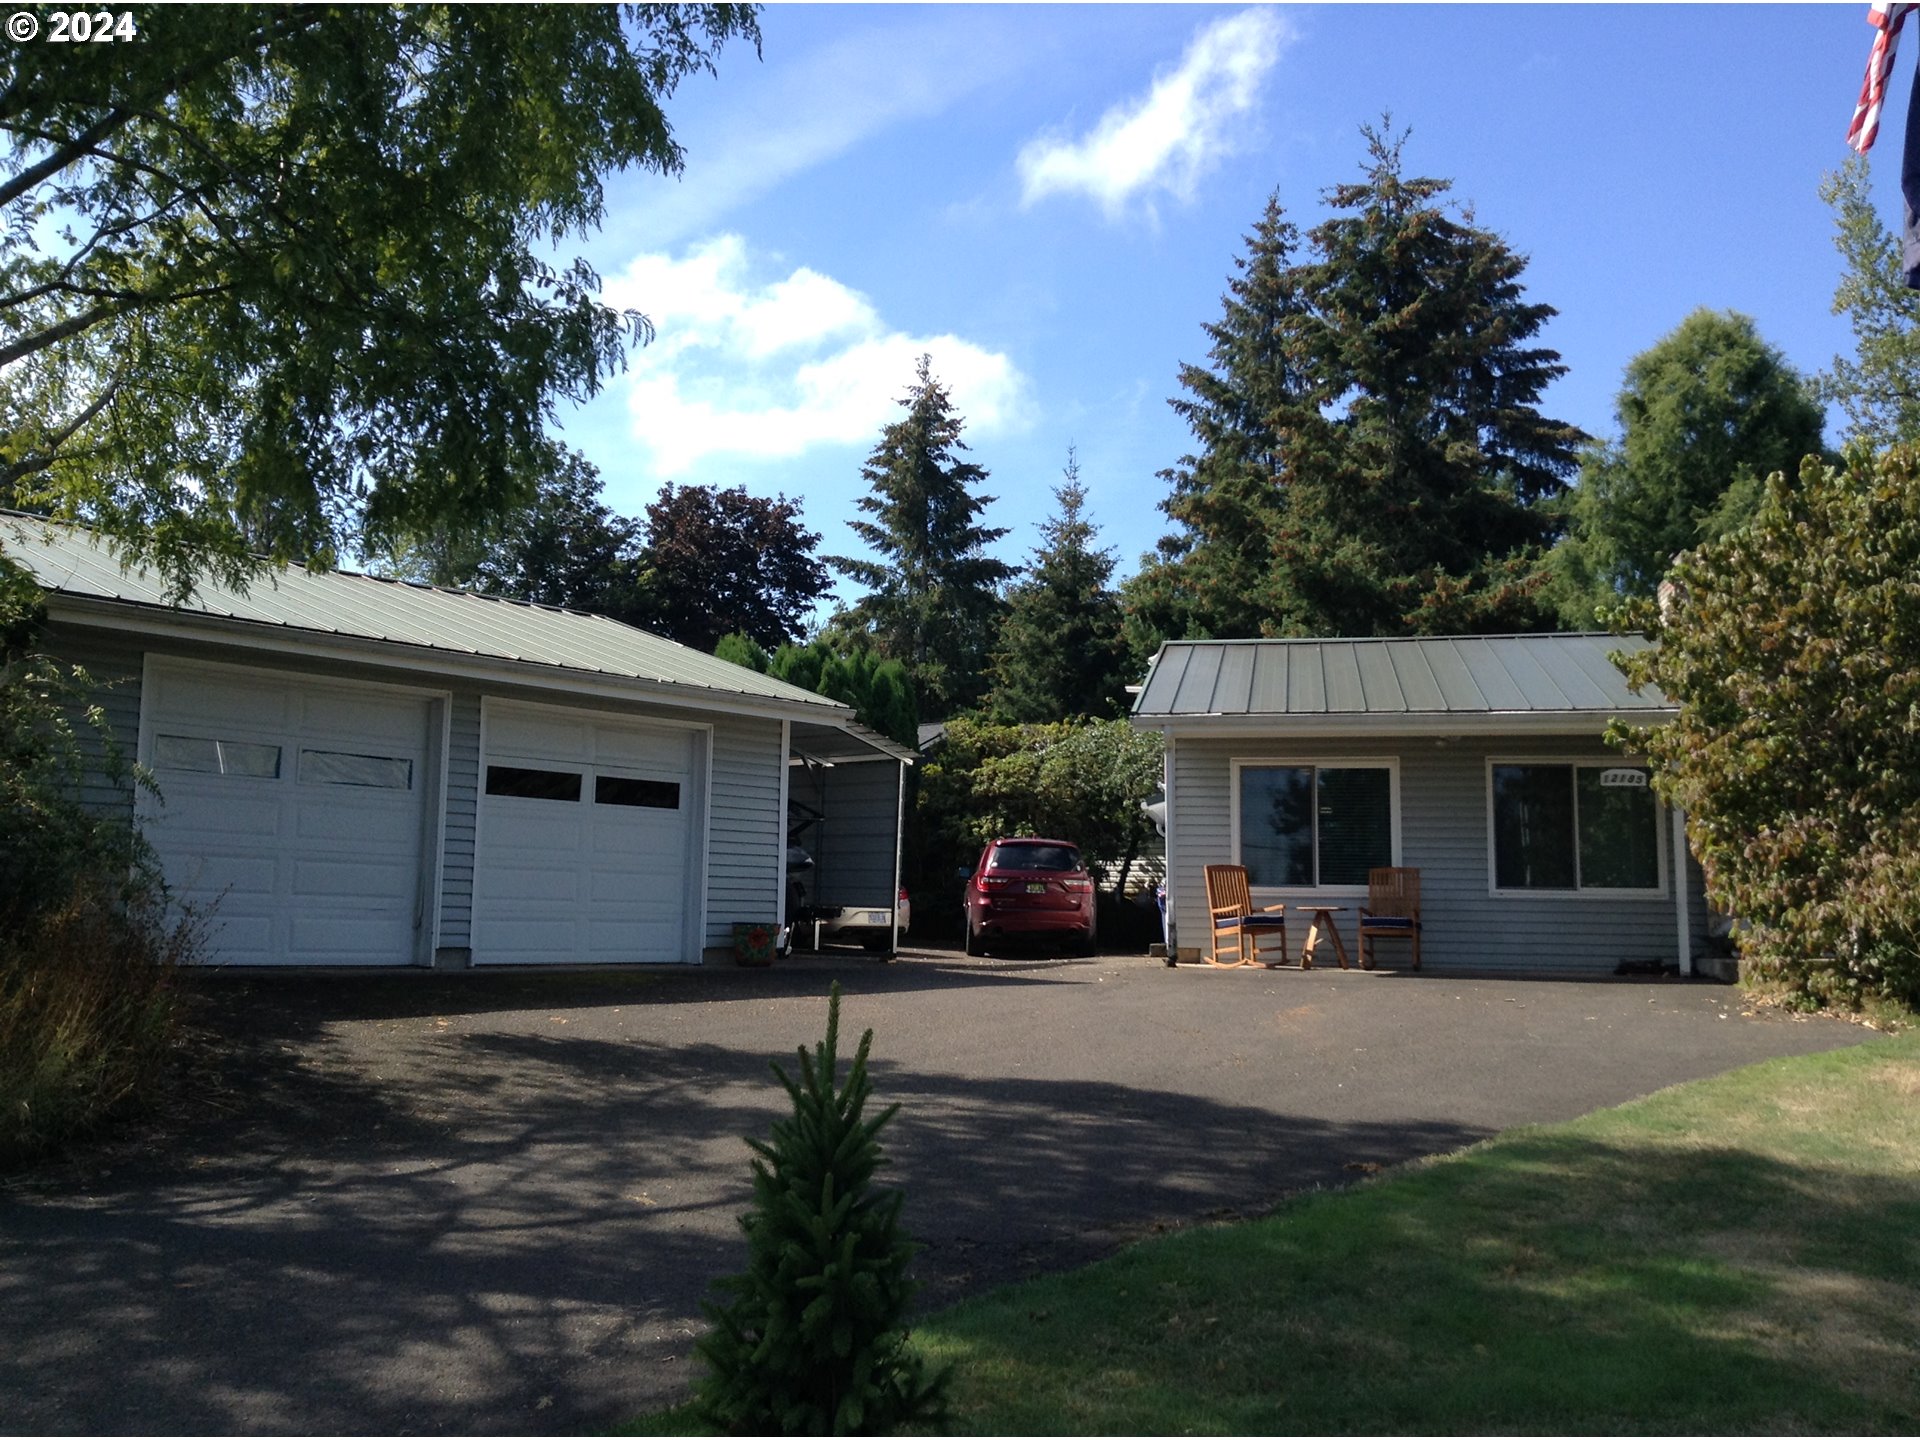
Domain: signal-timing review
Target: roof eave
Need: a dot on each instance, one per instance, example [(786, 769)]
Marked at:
[(1418, 723), (135, 617)]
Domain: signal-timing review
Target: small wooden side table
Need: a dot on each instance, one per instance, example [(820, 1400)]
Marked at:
[(1322, 925)]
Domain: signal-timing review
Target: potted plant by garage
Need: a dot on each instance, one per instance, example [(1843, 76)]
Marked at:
[(753, 943)]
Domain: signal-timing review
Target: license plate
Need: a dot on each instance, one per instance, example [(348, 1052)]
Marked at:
[(877, 917), (1036, 887)]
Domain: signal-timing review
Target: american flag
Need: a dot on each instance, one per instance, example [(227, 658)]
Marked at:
[(1887, 19)]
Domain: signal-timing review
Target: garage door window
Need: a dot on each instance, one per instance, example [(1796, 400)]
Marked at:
[(530, 784), (648, 794), (216, 757), (378, 772)]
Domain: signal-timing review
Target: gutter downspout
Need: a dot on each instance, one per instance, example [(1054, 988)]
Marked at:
[(1166, 788), (1683, 905), (899, 834)]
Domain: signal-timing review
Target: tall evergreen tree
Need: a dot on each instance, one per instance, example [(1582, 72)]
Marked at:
[(1060, 653), (1206, 577), (1878, 387), (1408, 479), (1705, 416), (932, 597)]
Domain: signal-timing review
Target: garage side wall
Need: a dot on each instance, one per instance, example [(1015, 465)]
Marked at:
[(1444, 832), (855, 863), (746, 844), (114, 666)]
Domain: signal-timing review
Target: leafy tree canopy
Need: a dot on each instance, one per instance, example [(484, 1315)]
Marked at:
[(1878, 387), (567, 548), (1373, 460), (880, 691), (721, 561), (273, 276), (1060, 653), (1704, 416), (1079, 782), (932, 598), (1792, 648)]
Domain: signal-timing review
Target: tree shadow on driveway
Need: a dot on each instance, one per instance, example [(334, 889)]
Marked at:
[(514, 1234), (430, 1205)]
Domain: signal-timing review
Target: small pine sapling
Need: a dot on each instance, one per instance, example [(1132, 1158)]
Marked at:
[(810, 1340)]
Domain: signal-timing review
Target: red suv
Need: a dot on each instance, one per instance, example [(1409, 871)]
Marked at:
[(1030, 889)]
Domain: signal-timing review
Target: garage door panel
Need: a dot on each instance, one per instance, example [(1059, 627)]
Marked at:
[(659, 840), (369, 719), (302, 873), (324, 819), (367, 883), (644, 746), (229, 933), (541, 885), (598, 879), (226, 700), (538, 736), (340, 939)]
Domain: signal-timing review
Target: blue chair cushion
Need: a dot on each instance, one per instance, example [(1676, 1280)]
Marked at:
[(1388, 922), (1250, 922)]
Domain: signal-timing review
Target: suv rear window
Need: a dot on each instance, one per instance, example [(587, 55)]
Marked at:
[(1034, 857)]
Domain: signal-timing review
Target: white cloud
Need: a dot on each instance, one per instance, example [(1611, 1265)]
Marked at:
[(784, 120), (771, 369), (1168, 139)]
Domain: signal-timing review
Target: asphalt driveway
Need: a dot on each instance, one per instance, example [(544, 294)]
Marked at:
[(492, 1203)]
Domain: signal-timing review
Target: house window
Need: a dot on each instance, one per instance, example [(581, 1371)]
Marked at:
[(216, 757), (1315, 826), (1574, 827), (530, 784)]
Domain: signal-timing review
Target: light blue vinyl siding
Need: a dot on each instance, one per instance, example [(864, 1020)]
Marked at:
[(746, 842), (853, 848), (113, 666), (462, 806), (1443, 832)]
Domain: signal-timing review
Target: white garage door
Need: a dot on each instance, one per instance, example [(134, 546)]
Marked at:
[(589, 840), (297, 808)]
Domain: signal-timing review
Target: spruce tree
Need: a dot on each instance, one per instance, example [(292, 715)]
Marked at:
[(811, 1340), (1060, 653), (932, 597), (1206, 577), (1399, 478)]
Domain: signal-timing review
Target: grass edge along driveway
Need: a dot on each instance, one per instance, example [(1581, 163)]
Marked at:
[(1739, 1254), (1735, 1255)]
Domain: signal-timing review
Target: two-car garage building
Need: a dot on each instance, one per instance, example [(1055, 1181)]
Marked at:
[(357, 771)]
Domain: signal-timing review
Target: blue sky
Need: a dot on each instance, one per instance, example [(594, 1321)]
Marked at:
[(1048, 199)]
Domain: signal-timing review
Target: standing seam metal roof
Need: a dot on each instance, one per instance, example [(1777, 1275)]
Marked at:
[(1466, 674), (73, 562)]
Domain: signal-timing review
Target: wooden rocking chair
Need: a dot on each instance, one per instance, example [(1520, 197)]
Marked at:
[(1392, 911), (1230, 906)]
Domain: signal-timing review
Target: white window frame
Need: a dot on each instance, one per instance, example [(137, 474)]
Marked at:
[(1662, 864), (1388, 763)]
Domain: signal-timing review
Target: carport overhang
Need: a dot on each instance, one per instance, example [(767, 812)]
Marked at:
[(821, 749)]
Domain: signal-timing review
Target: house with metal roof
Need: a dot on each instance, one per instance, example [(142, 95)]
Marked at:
[(1477, 760), (354, 771)]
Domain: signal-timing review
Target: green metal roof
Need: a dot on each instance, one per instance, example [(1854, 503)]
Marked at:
[(1468, 675), (307, 606)]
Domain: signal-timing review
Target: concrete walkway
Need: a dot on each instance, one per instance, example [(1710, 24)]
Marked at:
[(492, 1203)]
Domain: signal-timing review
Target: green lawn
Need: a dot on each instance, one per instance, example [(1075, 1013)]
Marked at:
[(1737, 1255)]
